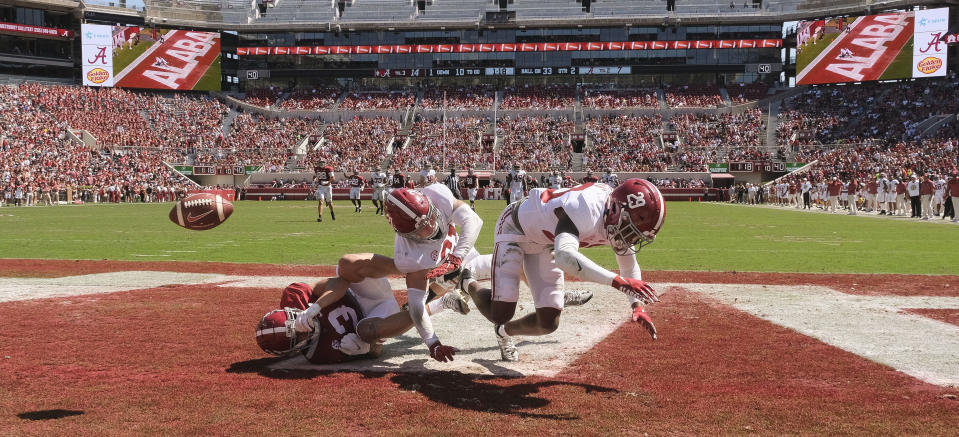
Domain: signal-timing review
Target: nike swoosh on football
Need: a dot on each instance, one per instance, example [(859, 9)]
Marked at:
[(190, 218)]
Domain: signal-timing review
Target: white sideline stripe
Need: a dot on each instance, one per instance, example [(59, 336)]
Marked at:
[(872, 327), (15, 289)]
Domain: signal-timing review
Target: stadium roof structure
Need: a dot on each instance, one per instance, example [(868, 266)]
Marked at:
[(345, 15)]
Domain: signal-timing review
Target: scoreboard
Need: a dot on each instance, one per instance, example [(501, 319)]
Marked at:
[(757, 166)]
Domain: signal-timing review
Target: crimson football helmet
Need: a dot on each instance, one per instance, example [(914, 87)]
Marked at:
[(634, 214), (275, 333), (412, 215)]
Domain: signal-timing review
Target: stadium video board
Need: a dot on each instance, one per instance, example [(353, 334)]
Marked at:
[(139, 57), (889, 46)]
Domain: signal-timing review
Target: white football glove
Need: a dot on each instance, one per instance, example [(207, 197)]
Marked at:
[(351, 344), (305, 320)]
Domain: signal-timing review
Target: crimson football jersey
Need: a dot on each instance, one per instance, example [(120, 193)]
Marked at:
[(470, 181), (324, 175), (333, 323), (355, 181)]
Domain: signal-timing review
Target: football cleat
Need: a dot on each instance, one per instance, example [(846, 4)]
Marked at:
[(454, 301), (507, 346), (458, 279), (574, 298)]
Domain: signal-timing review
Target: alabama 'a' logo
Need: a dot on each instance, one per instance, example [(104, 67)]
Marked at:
[(100, 57)]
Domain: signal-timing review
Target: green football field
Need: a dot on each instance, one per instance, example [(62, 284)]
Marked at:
[(695, 236)]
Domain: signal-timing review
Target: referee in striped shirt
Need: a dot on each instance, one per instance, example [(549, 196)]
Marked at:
[(453, 183)]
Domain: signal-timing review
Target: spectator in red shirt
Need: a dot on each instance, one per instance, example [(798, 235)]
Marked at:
[(926, 188)]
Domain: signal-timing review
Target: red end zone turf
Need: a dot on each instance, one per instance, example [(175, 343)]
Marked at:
[(182, 360)]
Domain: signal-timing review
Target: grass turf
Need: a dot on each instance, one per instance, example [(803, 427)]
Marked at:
[(123, 57), (210, 81), (695, 236), (901, 67)]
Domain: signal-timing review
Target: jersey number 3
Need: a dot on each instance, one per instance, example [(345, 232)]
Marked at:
[(340, 317)]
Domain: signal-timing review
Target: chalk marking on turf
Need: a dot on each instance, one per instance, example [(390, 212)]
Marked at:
[(872, 327), (581, 328), (14, 289)]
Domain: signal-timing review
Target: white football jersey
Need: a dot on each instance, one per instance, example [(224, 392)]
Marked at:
[(556, 182), (516, 179), (379, 179), (611, 179), (412, 256), (940, 186), (428, 176), (584, 204)]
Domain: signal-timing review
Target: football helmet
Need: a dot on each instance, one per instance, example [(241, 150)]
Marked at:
[(634, 214), (412, 215), (275, 333)]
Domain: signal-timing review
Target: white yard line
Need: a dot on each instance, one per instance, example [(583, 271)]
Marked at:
[(869, 326)]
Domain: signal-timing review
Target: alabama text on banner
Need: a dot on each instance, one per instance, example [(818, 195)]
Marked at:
[(512, 47), (35, 30), (873, 47)]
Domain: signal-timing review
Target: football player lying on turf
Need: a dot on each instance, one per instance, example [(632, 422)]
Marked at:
[(336, 321), (541, 236)]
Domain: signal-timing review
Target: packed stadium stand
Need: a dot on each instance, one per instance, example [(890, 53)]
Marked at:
[(669, 110)]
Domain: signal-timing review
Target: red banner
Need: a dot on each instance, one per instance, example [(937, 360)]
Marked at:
[(951, 39), (35, 30), (523, 47)]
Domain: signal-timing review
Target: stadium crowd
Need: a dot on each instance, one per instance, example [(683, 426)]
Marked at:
[(458, 98), (540, 143), (387, 100), (620, 98), (455, 143), (359, 143), (693, 96), (550, 97), (137, 132), (41, 165), (856, 113), (311, 100)]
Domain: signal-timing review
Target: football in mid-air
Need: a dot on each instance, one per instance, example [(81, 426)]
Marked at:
[(201, 211)]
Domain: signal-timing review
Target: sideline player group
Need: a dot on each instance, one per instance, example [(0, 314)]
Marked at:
[(537, 241)]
